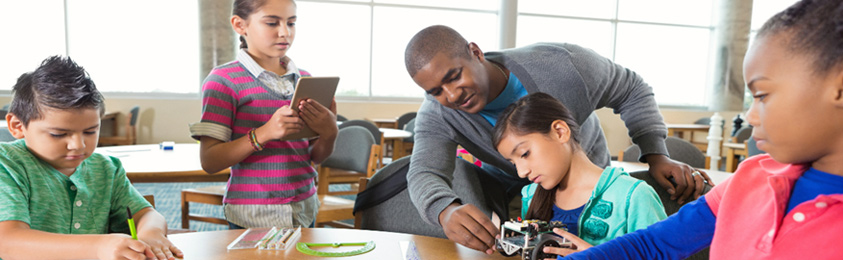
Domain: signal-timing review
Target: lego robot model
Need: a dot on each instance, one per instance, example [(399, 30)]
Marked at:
[(529, 237)]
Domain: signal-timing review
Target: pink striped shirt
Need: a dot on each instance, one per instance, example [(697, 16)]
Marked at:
[(233, 103)]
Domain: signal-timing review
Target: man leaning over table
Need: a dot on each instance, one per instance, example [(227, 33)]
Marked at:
[(467, 89)]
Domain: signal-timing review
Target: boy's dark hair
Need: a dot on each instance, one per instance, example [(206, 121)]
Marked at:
[(535, 113), (430, 41), (58, 83), (815, 27), (245, 8)]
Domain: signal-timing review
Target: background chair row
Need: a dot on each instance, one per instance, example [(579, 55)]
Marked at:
[(356, 155)]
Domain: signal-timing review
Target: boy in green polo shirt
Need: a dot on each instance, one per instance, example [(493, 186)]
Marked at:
[(58, 199)]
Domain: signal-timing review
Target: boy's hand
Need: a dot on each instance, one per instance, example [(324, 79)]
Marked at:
[(319, 118), (160, 248), (578, 244), (121, 246), (282, 123), (468, 226)]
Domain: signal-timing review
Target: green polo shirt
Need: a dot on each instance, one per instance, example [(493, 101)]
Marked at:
[(92, 200)]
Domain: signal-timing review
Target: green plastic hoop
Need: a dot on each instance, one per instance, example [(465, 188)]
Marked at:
[(305, 248)]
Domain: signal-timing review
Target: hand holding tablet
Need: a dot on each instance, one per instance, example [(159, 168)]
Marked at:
[(319, 89)]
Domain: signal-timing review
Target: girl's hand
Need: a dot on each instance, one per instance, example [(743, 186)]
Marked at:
[(120, 246), (160, 248), (319, 118), (282, 123), (577, 244)]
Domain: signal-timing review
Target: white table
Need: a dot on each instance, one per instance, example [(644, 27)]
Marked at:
[(716, 176), (396, 137), (148, 163)]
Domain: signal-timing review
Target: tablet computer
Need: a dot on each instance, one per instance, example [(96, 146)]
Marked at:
[(321, 89)]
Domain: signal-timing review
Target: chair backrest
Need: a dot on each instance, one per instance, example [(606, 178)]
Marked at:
[(397, 213), (341, 118), (373, 129), (678, 149), (410, 127), (403, 119), (670, 206), (742, 135), (133, 120), (751, 148), (132, 128), (352, 149), (707, 121)]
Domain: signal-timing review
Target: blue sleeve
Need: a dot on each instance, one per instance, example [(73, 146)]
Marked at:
[(677, 237)]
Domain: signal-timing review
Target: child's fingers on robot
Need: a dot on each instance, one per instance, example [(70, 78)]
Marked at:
[(575, 241)]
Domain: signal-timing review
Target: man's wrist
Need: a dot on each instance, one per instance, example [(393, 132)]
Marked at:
[(655, 158), (447, 211)]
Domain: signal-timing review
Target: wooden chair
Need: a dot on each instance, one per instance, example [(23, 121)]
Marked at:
[(131, 131), (346, 165), (355, 155), (678, 148), (410, 126), (358, 218), (208, 195), (373, 129), (403, 119)]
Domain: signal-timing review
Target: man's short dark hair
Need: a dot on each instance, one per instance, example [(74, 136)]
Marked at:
[(430, 41), (58, 83)]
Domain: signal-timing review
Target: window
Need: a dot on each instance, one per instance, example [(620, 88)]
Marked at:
[(139, 47), (136, 46), (29, 38), (126, 46), (364, 43), (665, 41)]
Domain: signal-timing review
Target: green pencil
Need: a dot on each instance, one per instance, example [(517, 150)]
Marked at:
[(131, 224)]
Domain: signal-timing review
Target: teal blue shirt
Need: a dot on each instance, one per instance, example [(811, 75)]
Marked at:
[(619, 204), (92, 200), (513, 91)]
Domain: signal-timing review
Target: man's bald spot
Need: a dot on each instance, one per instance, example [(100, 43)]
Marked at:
[(430, 41)]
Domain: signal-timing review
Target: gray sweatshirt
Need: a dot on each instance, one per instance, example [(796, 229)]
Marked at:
[(578, 77)]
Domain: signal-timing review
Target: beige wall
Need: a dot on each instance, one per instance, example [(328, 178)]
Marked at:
[(169, 119)]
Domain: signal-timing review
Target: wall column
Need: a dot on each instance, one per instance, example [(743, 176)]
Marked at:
[(507, 21), (731, 37), (217, 41)]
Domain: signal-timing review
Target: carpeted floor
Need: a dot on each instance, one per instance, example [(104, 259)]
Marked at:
[(168, 203)]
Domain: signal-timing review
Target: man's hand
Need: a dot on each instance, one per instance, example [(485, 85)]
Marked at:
[(688, 185), (577, 245), (468, 226)]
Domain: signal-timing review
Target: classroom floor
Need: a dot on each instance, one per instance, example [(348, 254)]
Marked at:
[(168, 203)]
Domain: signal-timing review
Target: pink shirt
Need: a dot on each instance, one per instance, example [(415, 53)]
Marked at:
[(751, 224)]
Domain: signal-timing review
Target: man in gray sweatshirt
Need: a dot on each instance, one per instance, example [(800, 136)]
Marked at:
[(467, 89)]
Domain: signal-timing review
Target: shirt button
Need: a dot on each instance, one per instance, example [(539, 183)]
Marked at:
[(799, 217), (821, 204), (77, 225), (72, 187), (78, 203)]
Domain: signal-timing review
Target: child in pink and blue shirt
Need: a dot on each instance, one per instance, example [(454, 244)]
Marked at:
[(786, 204)]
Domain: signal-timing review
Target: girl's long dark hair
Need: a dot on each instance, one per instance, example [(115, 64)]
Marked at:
[(535, 113)]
